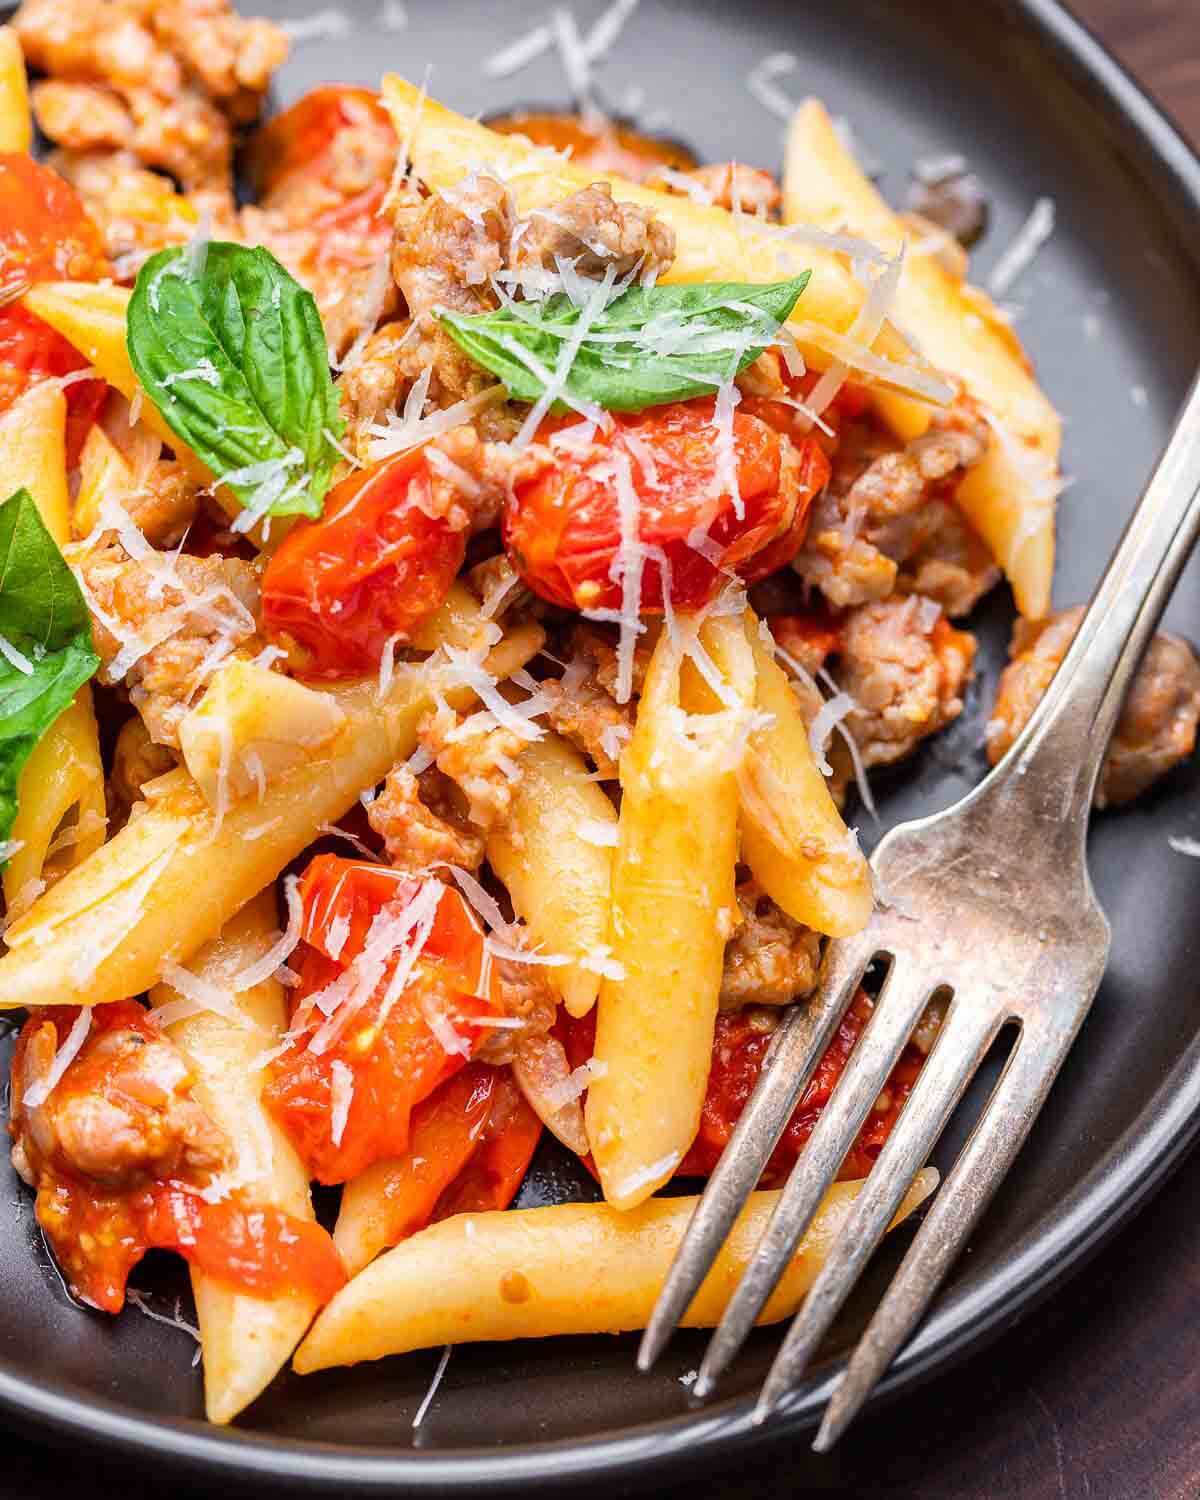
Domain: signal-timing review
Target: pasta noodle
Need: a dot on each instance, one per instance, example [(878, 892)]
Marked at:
[(16, 124), (1009, 497), (570, 1269), (245, 1340), (63, 779), (171, 879), (673, 907)]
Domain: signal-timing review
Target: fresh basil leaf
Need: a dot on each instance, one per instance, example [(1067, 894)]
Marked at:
[(649, 346), (44, 620), (232, 352)]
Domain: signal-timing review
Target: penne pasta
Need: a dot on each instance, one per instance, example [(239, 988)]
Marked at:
[(172, 878), (555, 859), (793, 837), (16, 122), (61, 788), (1010, 495), (673, 907), (711, 244), (570, 1269), (245, 1340)]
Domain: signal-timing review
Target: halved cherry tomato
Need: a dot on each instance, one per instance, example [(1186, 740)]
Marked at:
[(739, 1049), (394, 1055), (499, 1162), (374, 567), (99, 1234), (562, 526), (302, 137), (45, 235)]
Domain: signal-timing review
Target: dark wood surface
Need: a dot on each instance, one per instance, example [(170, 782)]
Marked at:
[(1097, 1395)]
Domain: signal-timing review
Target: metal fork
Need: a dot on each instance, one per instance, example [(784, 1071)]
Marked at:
[(989, 903)]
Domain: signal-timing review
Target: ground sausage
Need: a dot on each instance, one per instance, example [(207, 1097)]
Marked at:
[(595, 233), (420, 825), (1157, 728), (770, 960)]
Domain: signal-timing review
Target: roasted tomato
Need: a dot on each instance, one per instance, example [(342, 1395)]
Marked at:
[(388, 1007), (304, 138), (784, 416), (562, 526), (99, 1232), (45, 235), (740, 1044), (493, 1174), (372, 569)]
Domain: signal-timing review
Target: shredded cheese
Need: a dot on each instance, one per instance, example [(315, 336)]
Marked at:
[(43, 1087), (341, 1096), (427, 1402), (762, 85), (1020, 255), (15, 658)]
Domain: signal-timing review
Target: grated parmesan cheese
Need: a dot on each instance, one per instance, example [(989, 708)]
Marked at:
[(827, 718), (341, 1096), (125, 911), (15, 658), (427, 1401), (1183, 845), (199, 995), (322, 25), (43, 1087), (1022, 252), (761, 82), (133, 1296)]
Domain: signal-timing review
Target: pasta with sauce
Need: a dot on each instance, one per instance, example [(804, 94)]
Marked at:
[(494, 571)]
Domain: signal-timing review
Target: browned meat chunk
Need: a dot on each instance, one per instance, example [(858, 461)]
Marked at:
[(136, 760), (129, 1117), (877, 510), (167, 79), (737, 187), (525, 995), (906, 668), (483, 765), (596, 233), (375, 381), (162, 625), (583, 708), (420, 825), (770, 960), (1157, 727), (950, 565), (136, 210)]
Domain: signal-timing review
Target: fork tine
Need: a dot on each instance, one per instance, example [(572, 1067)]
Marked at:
[(899, 1007), (966, 1035), (983, 1162), (798, 1046)]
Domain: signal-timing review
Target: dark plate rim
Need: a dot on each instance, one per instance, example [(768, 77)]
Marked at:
[(1104, 1200)]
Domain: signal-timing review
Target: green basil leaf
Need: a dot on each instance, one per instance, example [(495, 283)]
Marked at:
[(232, 352), (649, 346), (44, 619)]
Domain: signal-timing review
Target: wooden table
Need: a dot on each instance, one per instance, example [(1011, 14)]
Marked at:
[(1097, 1395)]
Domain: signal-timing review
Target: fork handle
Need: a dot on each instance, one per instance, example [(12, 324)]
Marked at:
[(1056, 760)]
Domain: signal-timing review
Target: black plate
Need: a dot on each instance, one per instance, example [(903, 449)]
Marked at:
[(1111, 313)]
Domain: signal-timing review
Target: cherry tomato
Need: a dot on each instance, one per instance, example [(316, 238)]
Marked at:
[(99, 1234), (373, 568), (394, 1055), (847, 406), (45, 235), (497, 1166), (562, 526), (301, 139), (739, 1049)]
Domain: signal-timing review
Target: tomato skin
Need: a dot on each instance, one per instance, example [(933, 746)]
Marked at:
[(498, 1165), (396, 1061), (562, 525), (301, 137), (45, 235), (739, 1050), (373, 567), (99, 1234)]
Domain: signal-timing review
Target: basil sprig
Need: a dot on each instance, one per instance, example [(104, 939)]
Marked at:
[(45, 623), (649, 346), (231, 350)]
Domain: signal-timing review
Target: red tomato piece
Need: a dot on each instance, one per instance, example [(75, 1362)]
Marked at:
[(562, 526), (99, 1234), (303, 137), (394, 1055), (498, 1165), (373, 568), (847, 406), (45, 235)]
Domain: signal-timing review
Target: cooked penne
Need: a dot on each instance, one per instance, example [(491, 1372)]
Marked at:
[(711, 244), (1009, 497), (61, 788), (793, 837), (555, 856), (574, 1268), (673, 906), (16, 123), (170, 880), (245, 1340)]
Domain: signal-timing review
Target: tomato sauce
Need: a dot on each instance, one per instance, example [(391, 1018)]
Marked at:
[(99, 1233)]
